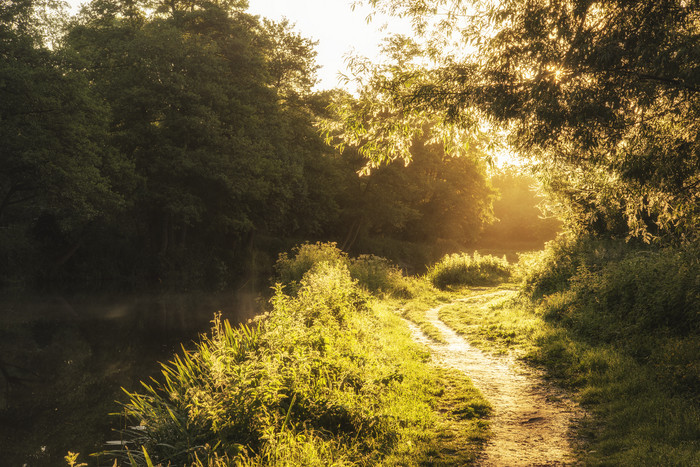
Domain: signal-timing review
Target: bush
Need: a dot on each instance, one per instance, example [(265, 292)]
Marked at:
[(552, 269), (462, 269), (311, 380), (648, 291), (622, 323), (290, 270), (378, 275), (375, 274), (642, 289)]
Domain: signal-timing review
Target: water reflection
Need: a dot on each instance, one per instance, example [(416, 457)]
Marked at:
[(63, 362)]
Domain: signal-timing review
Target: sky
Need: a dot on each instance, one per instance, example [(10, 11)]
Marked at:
[(338, 29)]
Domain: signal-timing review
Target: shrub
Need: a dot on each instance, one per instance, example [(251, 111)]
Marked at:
[(290, 270), (551, 269), (379, 275), (310, 380), (640, 288), (623, 324), (375, 274), (462, 269), (646, 290)]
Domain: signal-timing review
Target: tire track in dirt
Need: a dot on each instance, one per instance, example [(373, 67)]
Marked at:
[(531, 421)]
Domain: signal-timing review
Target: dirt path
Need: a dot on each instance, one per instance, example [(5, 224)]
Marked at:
[(530, 421)]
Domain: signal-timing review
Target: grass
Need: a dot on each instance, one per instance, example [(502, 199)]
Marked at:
[(328, 376), (414, 311), (497, 324), (618, 326), (460, 429), (636, 416), (463, 269)]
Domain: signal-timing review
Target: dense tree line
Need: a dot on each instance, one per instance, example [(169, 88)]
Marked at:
[(163, 142)]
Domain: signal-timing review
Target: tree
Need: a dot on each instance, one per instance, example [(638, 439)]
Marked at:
[(57, 175), (290, 58), (213, 108), (589, 87), (187, 95), (435, 197)]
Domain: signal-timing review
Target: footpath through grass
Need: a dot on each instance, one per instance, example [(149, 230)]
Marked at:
[(617, 325), (330, 375)]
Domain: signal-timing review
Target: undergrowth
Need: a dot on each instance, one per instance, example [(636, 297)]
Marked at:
[(328, 376), (620, 325), (465, 270)]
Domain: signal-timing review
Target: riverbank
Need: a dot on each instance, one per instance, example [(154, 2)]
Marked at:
[(329, 375)]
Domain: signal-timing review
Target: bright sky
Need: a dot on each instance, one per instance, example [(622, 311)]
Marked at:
[(338, 29)]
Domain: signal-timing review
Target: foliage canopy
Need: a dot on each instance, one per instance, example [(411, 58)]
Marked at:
[(155, 142), (603, 94)]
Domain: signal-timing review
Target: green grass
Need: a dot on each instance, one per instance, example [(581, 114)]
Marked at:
[(636, 416), (460, 429), (328, 376), (497, 324), (465, 270), (618, 326), (414, 311)]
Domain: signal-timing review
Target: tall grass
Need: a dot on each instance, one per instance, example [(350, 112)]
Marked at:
[(325, 377), (465, 270)]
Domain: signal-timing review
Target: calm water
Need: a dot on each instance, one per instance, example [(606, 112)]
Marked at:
[(64, 361)]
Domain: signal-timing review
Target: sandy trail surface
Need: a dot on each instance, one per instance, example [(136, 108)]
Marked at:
[(531, 420)]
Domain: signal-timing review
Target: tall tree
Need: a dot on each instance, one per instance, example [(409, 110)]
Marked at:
[(290, 57), (213, 108), (601, 90), (191, 109), (56, 175)]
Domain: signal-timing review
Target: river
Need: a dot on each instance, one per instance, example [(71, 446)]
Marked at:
[(63, 362)]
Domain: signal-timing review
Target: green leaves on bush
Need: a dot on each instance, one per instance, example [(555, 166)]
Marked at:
[(290, 270), (641, 288), (375, 274), (622, 324)]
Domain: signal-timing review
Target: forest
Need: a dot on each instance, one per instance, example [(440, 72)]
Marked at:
[(181, 148), (178, 147)]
